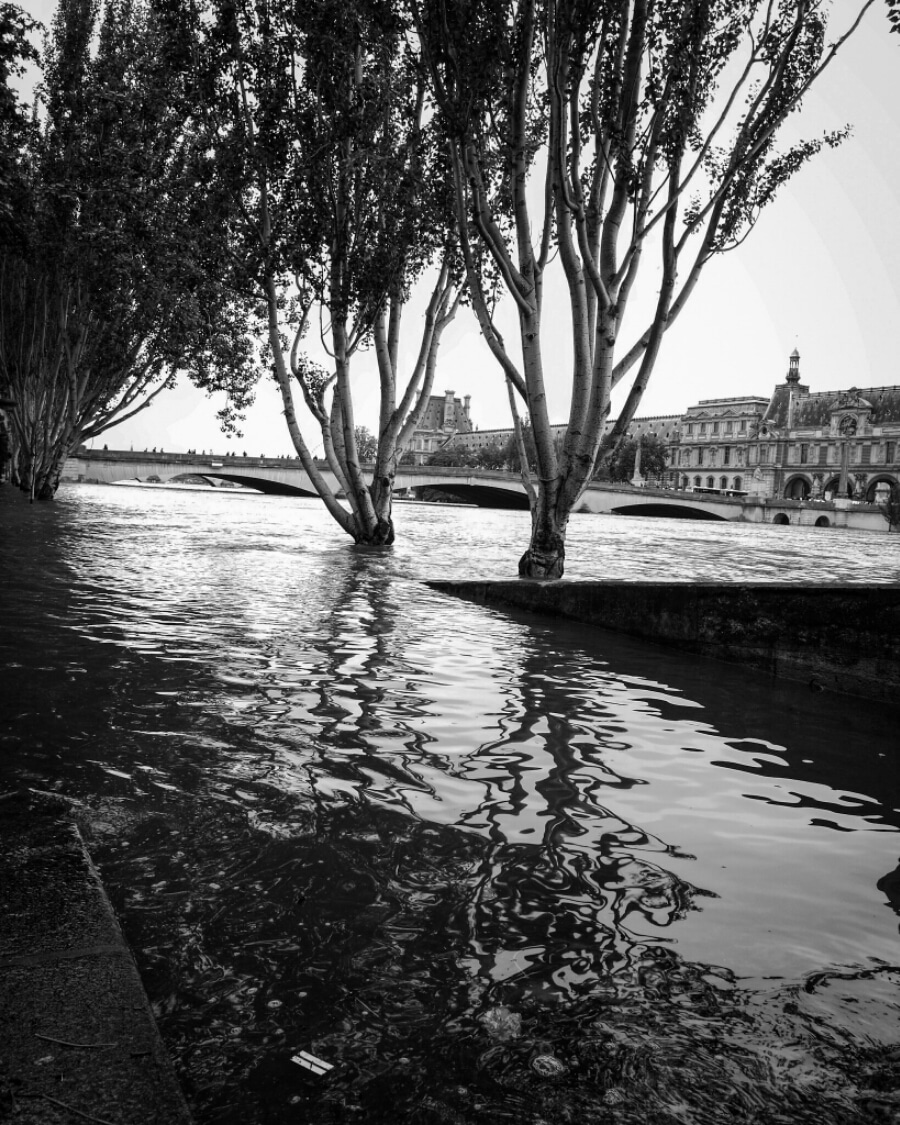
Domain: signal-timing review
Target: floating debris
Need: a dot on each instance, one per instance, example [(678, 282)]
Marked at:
[(548, 1066), (311, 1063), (502, 1024)]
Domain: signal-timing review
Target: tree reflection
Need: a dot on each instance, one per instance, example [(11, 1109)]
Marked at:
[(569, 914)]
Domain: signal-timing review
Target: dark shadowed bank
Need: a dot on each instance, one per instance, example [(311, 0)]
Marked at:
[(77, 1038), (836, 638)]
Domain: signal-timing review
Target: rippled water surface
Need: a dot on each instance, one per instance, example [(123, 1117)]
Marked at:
[(437, 845)]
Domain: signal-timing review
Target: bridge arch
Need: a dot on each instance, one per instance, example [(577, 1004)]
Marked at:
[(781, 519), (659, 508), (482, 495), (261, 484)]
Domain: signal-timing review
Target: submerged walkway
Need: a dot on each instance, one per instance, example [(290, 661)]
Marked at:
[(77, 1037), (841, 638)]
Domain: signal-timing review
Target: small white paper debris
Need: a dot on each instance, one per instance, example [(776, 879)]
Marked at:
[(310, 1062)]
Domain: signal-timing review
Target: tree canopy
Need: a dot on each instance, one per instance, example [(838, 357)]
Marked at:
[(621, 465), (106, 288), (327, 183)]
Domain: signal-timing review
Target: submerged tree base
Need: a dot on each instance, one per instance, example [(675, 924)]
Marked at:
[(382, 536), (544, 562)]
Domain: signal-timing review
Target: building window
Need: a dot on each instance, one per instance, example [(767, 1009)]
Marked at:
[(729, 427), (702, 427), (715, 427), (866, 454), (696, 482), (804, 454), (763, 454), (738, 482), (710, 482), (890, 451), (690, 429), (723, 482), (699, 456), (743, 425), (726, 455)]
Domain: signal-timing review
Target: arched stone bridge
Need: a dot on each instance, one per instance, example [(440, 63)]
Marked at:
[(485, 488)]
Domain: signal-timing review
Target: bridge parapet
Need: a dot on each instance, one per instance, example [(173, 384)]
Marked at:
[(483, 487)]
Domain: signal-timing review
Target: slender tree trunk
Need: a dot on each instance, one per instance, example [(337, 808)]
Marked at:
[(546, 554)]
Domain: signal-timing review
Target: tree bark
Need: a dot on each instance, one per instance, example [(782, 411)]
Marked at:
[(546, 555)]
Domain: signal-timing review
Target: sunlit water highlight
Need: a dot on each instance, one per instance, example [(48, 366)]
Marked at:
[(341, 812)]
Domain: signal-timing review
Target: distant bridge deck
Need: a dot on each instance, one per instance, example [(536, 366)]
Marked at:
[(483, 487), (486, 488)]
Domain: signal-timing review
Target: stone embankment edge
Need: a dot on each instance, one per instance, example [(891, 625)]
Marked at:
[(78, 1040), (836, 637)]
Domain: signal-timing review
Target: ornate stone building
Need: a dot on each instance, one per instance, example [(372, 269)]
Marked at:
[(795, 445), (444, 420), (712, 444)]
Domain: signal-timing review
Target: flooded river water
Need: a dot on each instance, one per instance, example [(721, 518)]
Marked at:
[(488, 866)]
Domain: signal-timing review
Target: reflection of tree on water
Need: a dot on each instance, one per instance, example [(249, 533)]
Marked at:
[(361, 687), (557, 913), (558, 916), (328, 908)]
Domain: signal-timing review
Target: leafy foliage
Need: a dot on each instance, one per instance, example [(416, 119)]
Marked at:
[(325, 182), (512, 455), (653, 458), (491, 457), (366, 444), (108, 286), (16, 50), (452, 456)]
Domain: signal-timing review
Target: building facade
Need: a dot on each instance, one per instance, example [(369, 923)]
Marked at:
[(795, 445), (712, 446), (445, 419)]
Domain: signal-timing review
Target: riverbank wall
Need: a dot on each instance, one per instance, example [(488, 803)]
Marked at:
[(837, 638), (78, 1040)]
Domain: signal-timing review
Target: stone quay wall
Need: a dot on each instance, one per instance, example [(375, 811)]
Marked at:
[(838, 638)]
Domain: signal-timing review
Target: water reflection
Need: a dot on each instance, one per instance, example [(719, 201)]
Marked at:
[(342, 812)]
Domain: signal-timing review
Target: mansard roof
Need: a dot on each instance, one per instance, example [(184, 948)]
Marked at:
[(813, 411)]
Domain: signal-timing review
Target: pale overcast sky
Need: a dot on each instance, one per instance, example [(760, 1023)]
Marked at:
[(819, 273)]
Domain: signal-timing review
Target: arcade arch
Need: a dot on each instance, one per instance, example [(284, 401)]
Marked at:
[(797, 488), (882, 478)]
